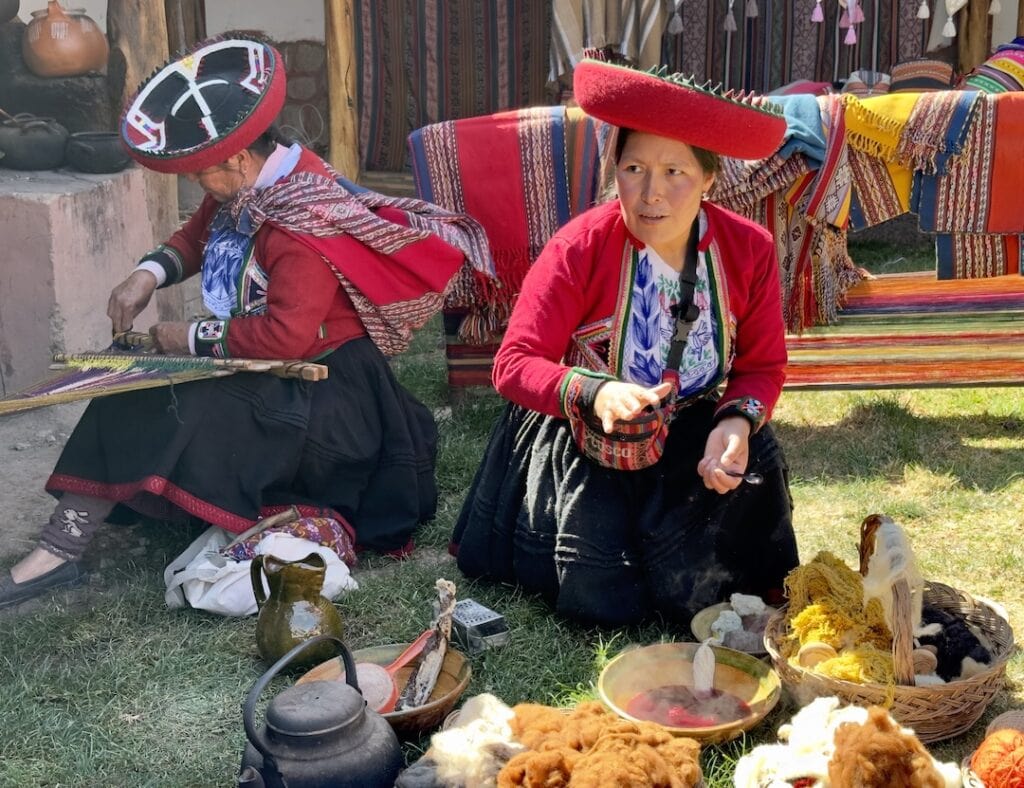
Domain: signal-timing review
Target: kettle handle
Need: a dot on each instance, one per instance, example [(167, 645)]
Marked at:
[(256, 572), (257, 739)]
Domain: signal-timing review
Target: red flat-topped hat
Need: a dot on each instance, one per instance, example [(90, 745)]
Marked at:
[(200, 108), (674, 106)]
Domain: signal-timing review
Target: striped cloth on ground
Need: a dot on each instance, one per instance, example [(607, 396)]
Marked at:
[(911, 331)]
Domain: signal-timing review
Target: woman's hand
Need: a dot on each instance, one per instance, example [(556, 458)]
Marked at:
[(620, 401), (727, 447), (171, 338), (129, 298)]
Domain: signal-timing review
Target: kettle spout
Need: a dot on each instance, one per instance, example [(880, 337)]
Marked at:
[(250, 778)]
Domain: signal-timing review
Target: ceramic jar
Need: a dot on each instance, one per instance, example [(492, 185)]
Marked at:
[(8, 10), (63, 43), (31, 143)]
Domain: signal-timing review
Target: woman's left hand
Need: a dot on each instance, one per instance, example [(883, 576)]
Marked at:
[(727, 448), (171, 338)]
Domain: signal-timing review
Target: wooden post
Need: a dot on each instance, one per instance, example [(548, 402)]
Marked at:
[(341, 85), (137, 30), (972, 35), (1020, 17)]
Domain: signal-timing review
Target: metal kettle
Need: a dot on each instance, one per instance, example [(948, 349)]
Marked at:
[(318, 734)]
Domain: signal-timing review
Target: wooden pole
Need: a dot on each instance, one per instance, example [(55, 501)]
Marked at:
[(341, 85), (972, 35), (137, 30), (1020, 17)]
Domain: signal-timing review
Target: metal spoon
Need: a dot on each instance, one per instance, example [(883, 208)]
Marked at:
[(749, 478)]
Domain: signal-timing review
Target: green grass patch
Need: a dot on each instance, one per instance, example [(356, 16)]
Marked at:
[(106, 686)]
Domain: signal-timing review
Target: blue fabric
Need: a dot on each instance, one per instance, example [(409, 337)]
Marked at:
[(804, 133)]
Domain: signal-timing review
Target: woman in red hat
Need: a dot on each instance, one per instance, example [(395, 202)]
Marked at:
[(642, 360), (293, 266)]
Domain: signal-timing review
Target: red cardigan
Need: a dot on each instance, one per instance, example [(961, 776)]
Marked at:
[(308, 312), (575, 281)]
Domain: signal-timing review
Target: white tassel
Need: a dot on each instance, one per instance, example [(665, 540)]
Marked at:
[(949, 29), (675, 24), (729, 25), (995, 8), (922, 10), (752, 9)]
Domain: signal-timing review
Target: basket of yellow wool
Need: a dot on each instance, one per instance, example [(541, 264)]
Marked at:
[(825, 641)]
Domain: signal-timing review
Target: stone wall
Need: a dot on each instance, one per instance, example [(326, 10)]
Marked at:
[(306, 113)]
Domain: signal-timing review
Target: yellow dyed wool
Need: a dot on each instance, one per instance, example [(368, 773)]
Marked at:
[(826, 604), (861, 665)]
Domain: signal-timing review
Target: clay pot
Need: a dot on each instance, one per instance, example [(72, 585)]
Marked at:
[(8, 10), (31, 143), (96, 152), (59, 43)]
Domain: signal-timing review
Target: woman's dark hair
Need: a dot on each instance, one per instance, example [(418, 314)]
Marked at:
[(709, 161), (269, 140)]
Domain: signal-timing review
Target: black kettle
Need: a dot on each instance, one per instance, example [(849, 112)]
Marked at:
[(318, 734)]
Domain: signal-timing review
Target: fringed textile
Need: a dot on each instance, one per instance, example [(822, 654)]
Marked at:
[(522, 174), (424, 61), (829, 196), (936, 129), (874, 125), (876, 197), (391, 300)]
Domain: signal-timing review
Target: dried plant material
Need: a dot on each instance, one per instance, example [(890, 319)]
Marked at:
[(424, 677)]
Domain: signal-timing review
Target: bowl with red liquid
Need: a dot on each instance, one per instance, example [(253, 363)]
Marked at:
[(655, 684)]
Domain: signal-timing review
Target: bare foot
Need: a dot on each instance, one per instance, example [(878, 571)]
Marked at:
[(36, 563)]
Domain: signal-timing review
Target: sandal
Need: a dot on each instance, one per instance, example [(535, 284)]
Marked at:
[(11, 593)]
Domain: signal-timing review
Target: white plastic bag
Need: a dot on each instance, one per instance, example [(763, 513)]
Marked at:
[(204, 579)]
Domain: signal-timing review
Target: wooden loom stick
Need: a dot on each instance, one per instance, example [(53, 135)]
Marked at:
[(423, 679)]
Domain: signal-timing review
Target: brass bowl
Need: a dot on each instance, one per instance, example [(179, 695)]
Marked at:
[(741, 675), (408, 723)]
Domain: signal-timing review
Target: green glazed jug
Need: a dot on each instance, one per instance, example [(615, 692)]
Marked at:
[(295, 610)]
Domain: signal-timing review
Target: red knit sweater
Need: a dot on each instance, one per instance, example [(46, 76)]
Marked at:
[(575, 280)]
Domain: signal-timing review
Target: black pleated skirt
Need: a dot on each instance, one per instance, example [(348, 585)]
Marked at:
[(227, 450), (614, 547)]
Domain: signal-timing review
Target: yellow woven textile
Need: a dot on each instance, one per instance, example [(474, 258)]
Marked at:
[(874, 125)]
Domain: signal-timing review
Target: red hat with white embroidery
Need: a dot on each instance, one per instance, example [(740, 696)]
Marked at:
[(674, 106), (200, 108)]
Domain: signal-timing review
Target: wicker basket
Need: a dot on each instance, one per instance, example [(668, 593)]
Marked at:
[(936, 712)]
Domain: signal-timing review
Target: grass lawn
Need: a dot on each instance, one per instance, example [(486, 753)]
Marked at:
[(105, 686)]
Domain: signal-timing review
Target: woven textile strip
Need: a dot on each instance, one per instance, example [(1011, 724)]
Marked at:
[(972, 255), (875, 198), (522, 175), (424, 61), (829, 198), (935, 128), (1003, 70), (782, 44), (910, 330)]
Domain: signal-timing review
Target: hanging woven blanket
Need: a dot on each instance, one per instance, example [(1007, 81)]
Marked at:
[(465, 165), (936, 129), (976, 255)]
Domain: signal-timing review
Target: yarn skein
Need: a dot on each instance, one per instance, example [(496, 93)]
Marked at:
[(999, 760)]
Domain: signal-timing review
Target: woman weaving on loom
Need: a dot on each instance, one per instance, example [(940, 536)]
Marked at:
[(629, 320), (293, 266)]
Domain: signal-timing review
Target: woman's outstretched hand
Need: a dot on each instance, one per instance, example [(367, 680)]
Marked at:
[(129, 298), (620, 401), (727, 448)]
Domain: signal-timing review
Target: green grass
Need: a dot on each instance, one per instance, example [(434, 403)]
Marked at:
[(106, 686), (879, 257)]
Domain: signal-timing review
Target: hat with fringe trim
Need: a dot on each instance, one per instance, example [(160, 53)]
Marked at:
[(674, 106), (200, 108)]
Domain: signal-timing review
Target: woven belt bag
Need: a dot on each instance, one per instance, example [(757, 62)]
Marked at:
[(631, 446)]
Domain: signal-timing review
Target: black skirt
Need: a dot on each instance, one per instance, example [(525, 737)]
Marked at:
[(227, 450), (614, 547)]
